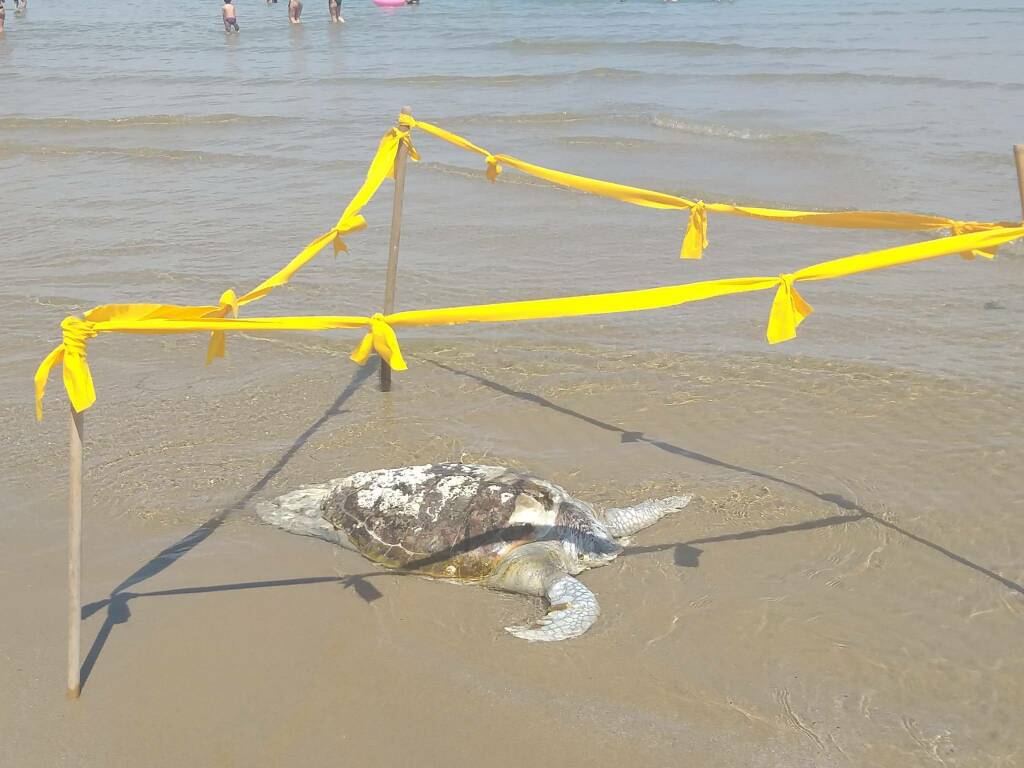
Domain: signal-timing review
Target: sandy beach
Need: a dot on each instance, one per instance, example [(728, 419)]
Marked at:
[(846, 588), (802, 620)]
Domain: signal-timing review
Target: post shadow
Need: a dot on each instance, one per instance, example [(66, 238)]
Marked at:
[(116, 603), (686, 553)]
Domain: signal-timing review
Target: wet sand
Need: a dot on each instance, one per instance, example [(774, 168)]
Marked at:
[(840, 592)]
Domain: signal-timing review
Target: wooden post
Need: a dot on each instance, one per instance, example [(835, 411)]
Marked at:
[(77, 428), (396, 234), (1018, 156)]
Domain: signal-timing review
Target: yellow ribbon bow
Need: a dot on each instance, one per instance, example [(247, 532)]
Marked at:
[(788, 310), (493, 168), (217, 346), (401, 138), (346, 225), (696, 239), (381, 337)]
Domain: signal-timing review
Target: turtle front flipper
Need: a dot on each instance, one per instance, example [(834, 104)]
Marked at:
[(541, 568), (627, 521), (573, 609)]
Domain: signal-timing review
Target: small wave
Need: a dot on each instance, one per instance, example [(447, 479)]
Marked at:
[(477, 173), (732, 132), (540, 118), (629, 142), (448, 81), (561, 47), (131, 121), (632, 119), (11, 149), (832, 78)]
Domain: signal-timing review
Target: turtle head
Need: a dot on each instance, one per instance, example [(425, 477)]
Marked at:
[(584, 536)]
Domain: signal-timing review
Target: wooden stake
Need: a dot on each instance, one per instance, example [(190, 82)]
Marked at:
[(1018, 156), (396, 234), (77, 428)]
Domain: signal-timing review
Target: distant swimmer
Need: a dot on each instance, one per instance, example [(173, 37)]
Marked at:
[(294, 11), (228, 14), (334, 7)]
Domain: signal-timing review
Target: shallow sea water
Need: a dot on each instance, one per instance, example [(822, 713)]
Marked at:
[(845, 590)]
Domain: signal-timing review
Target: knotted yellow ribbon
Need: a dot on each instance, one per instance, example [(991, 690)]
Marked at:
[(788, 310), (406, 139), (217, 345), (71, 354), (381, 337), (493, 168), (696, 239), (966, 228), (346, 225)]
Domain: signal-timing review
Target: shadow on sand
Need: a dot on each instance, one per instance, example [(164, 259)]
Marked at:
[(117, 603), (686, 554)]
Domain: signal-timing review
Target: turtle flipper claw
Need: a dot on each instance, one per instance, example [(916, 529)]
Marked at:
[(573, 610)]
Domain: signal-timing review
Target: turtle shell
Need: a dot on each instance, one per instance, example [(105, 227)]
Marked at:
[(452, 521)]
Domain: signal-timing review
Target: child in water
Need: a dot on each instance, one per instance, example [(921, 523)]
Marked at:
[(334, 8), (294, 11), (228, 14)]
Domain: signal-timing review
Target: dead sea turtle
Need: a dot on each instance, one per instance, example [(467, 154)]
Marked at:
[(471, 523)]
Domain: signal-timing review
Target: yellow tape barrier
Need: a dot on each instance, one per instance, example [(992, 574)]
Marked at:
[(382, 167), (694, 242), (696, 237), (788, 310)]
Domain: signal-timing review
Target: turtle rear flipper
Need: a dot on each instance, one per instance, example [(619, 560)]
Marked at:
[(627, 521), (573, 609)]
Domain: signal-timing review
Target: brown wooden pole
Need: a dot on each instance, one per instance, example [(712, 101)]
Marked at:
[(396, 234), (1018, 157), (77, 430)]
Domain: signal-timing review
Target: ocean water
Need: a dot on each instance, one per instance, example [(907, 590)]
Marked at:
[(858, 595), (149, 157)]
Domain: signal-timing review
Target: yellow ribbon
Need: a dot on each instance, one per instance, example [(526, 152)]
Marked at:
[(381, 337), (71, 355), (967, 227), (351, 220), (696, 239), (493, 168), (77, 376), (788, 310), (217, 345)]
